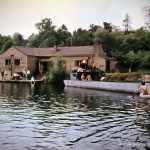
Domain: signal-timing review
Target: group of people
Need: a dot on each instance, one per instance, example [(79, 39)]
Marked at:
[(26, 74), (87, 65)]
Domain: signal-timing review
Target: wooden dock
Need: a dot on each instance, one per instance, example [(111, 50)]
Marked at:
[(21, 81)]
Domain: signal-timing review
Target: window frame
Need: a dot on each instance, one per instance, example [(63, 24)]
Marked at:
[(17, 62), (7, 62), (78, 63)]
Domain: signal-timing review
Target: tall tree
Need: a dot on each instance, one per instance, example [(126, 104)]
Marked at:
[(107, 26), (146, 11), (127, 24), (62, 35), (33, 41), (7, 45), (106, 39), (17, 39), (81, 37), (3, 40), (45, 23), (93, 28)]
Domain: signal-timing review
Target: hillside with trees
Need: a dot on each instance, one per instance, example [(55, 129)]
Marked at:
[(130, 48)]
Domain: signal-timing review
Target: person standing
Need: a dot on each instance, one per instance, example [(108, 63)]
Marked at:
[(2, 74), (24, 74), (87, 63), (41, 69), (28, 74), (5, 75), (32, 80)]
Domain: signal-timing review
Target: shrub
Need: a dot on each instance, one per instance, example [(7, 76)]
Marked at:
[(58, 74)]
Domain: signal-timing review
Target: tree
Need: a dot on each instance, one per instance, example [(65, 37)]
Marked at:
[(33, 41), (97, 35), (7, 45), (106, 39), (45, 23), (17, 39), (62, 35), (93, 27), (107, 26), (132, 61), (48, 38), (146, 11), (145, 61), (81, 37), (127, 24), (143, 36), (131, 43), (3, 40)]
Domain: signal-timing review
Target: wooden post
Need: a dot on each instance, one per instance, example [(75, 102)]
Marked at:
[(11, 63)]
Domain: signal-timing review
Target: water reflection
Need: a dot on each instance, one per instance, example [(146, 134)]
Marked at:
[(47, 117)]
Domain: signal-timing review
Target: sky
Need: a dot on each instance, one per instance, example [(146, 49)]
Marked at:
[(22, 15)]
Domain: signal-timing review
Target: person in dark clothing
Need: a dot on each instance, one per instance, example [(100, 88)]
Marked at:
[(2, 74)]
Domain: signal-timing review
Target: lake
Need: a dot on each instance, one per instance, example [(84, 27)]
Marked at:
[(45, 117)]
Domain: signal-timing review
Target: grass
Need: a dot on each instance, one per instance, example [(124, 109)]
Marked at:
[(126, 77)]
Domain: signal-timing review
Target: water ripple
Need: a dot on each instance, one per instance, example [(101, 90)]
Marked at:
[(71, 119)]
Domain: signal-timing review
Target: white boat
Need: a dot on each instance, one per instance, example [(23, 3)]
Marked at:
[(145, 96), (110, 86), (129, 87)]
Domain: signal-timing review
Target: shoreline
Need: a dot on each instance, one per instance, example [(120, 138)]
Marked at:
[(20, 81)]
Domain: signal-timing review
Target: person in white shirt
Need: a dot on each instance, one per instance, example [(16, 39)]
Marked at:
[(28, 74)]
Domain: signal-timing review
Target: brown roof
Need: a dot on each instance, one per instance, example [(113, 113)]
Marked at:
[(61, 51)]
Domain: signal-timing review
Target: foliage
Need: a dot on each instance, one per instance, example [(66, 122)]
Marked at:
[(58, 74), (7, 45), (81, 37), (107, 26), (146, 11), (17, 39), (125, 77), (127, 24), (135, 61), (45, 24), (4, 42), (144, 60), (33, 41), (126, 47)]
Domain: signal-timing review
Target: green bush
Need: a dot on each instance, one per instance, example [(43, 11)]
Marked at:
[(58, 74), (125, 77)]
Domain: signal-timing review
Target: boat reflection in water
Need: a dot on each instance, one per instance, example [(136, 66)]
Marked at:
[(47, 117)]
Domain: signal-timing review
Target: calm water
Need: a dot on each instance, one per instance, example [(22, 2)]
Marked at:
[(43, 117)]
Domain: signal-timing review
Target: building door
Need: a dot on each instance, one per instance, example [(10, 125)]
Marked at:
[(108, 66), (46, 66)]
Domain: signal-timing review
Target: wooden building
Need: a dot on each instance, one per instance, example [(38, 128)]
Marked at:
[(16, 58)]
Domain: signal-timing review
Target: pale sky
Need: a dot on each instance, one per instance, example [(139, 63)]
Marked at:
[(22, 15)]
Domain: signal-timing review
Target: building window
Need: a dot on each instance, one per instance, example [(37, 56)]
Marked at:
[(17, 62), (7, 62), (78, 62)]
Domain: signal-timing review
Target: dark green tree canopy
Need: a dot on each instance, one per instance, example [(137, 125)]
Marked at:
[(116, 42)]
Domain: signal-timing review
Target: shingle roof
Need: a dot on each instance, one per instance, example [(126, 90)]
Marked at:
[(61, 51)]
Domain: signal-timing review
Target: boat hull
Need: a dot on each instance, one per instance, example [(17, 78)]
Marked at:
[(128, 87)]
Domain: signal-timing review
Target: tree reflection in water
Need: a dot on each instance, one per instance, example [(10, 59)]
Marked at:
[(67, 117)]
